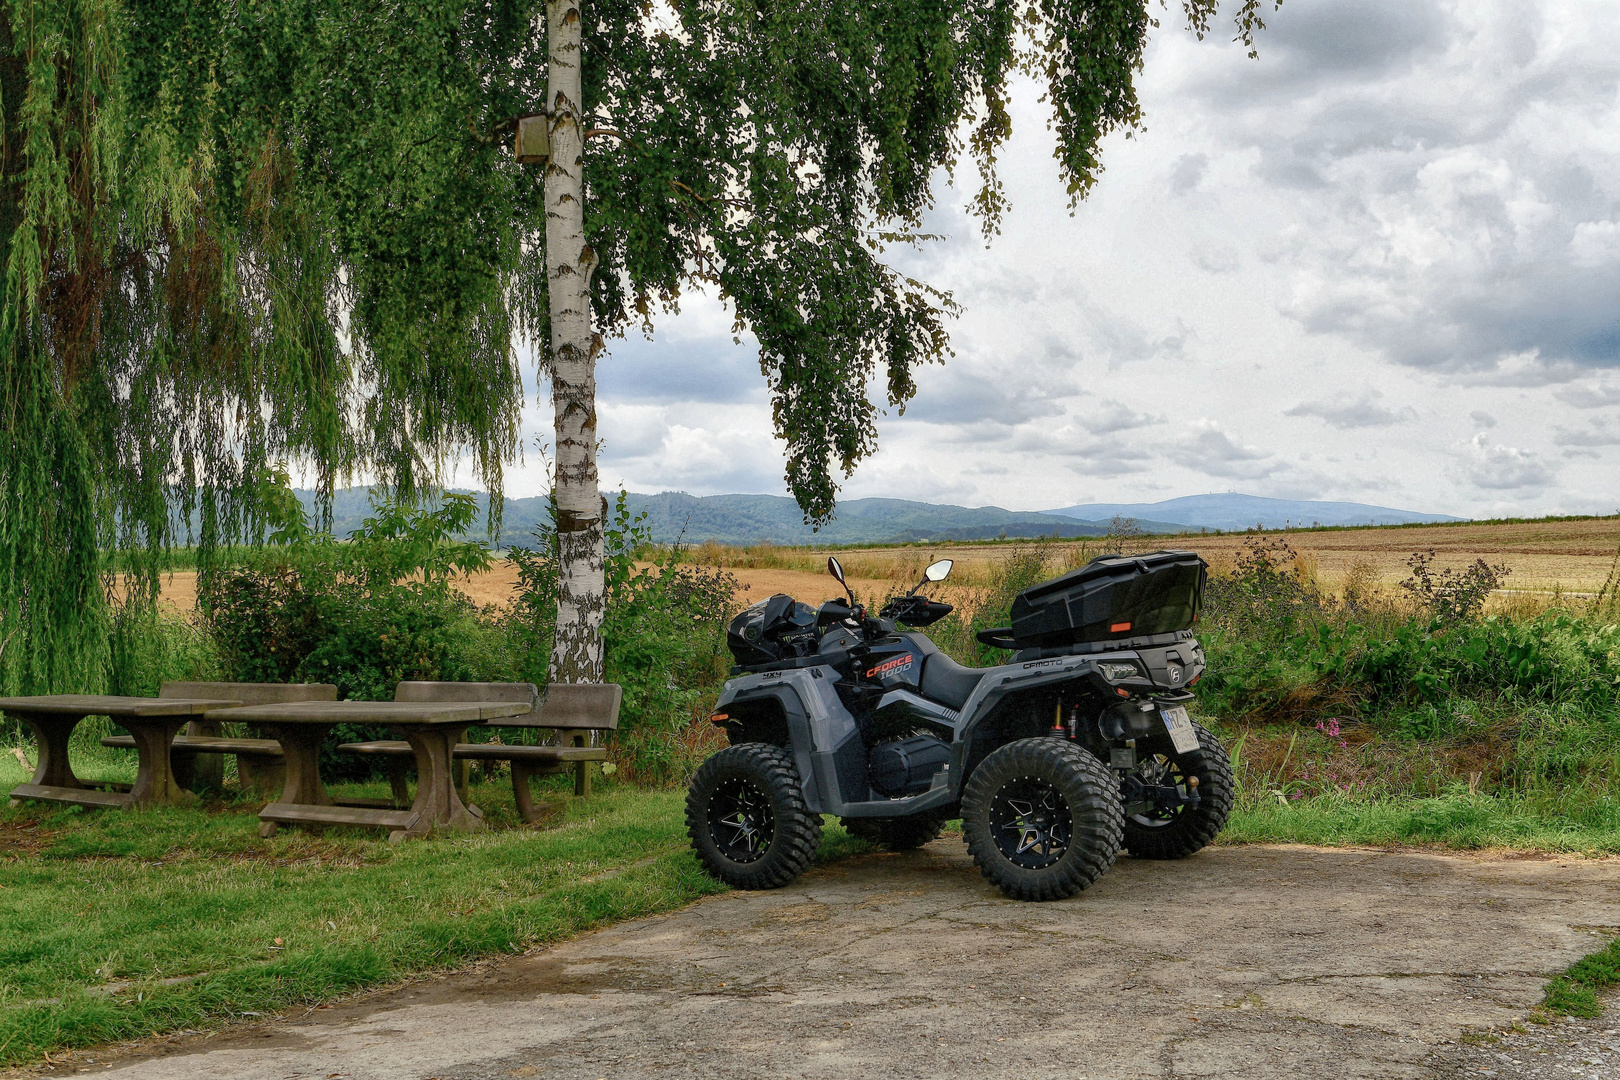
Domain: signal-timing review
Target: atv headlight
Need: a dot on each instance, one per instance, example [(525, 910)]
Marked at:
[(1115, 671)]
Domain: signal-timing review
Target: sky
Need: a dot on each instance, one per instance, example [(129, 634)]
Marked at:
[(1379, 263)]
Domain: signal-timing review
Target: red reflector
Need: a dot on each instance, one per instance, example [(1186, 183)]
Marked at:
[(1121, 691), (719, 718), (1119, 628), (1195, 678)]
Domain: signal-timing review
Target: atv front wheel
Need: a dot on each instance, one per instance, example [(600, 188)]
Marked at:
[(1042, 818), (895, 833), (747, 818), (1175, 832)]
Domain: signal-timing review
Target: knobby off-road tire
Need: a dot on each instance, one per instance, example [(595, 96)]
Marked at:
[(1042, 818), (898, 833), (747, 818), (1188, 829)]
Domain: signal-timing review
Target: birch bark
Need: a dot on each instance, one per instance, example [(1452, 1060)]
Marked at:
[(570, 262)]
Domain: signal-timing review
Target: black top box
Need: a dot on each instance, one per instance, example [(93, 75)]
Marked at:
[(1112, 596)]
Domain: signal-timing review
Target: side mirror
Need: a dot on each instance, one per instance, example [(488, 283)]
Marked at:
[(836, 570), (938, 571)]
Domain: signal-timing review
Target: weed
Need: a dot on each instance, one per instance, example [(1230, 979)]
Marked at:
[(1452, 596), (1574, 992)]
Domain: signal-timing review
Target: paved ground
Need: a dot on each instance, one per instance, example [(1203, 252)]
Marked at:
[(1564, 1050), (1251, 962)]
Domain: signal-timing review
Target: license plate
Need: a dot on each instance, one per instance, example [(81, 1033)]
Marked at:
[(1182, 735)]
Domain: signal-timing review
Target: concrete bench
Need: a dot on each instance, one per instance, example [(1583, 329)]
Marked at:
[(574, 711), (260, 765)]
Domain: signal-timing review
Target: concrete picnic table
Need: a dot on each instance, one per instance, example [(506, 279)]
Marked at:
[(152, 722), (433, 728)]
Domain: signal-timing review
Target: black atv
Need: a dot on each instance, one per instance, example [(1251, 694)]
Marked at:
[(1077, 746)]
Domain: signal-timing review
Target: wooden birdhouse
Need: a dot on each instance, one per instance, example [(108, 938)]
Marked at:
[(533, 143)]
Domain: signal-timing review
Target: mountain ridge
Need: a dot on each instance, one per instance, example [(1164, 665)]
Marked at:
[(758, 519)]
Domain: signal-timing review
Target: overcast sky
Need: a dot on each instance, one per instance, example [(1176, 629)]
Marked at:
[(1380, 263)]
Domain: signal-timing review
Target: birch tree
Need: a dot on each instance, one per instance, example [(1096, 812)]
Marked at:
[(570, 264)]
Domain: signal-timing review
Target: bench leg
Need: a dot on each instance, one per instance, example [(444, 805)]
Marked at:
[(521, 794), (198, 772), (458, 774), (263, 776), (582, 769), (528, 810), (397, 786)]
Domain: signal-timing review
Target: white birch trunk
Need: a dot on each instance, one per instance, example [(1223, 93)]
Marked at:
[(581, 599)]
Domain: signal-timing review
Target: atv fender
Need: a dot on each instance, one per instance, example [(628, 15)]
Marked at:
[(828, 751), (1009, 679)]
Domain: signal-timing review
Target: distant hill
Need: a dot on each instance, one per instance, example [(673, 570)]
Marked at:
[(1232, 511), (750, 519), (757, 519)]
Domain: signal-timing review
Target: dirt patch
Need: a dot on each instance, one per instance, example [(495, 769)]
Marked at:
[(1252, 962), (20, 840)]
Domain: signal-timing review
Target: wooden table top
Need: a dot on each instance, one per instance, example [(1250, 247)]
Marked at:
[(111, 705), (373, 712)]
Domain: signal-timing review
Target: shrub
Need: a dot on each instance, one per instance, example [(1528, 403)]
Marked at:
[(362, 615), (1269, 595), (663, 640), (1452, 596)]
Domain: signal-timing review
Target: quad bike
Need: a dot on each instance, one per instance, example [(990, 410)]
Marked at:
[(1078, 746)]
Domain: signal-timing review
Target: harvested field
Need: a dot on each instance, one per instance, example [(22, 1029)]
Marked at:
[(1544, 556), (1575, 556), (495, 587)]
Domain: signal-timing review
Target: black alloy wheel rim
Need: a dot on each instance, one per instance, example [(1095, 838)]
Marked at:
[(1031, 823), (741, 820), (1161, 771)]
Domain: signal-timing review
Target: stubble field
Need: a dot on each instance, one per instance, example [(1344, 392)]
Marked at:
[(1544, 557)]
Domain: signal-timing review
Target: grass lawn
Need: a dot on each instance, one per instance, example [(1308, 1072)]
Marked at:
[(1461, 821), (120, 925)]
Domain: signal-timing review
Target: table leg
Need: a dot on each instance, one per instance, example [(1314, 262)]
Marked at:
[(155, 782), (437, 805), (52, 732), (301, 750)]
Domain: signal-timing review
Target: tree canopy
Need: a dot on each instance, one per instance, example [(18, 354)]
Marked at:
[(240, 235)]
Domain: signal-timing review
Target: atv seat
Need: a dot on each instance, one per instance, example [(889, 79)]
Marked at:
[(947, 682)]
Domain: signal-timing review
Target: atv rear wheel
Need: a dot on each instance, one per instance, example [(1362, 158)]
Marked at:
[(895, 833), (747, 818), (1177, 832), (1042, 818)]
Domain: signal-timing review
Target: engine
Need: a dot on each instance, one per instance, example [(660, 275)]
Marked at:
[(906, 766)]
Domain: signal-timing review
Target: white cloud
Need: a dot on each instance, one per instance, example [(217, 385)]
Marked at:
[(1362, 411), (1324, 273), (1505, 468)]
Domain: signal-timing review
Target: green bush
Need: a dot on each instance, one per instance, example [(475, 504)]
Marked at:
[(663, 639), (363, 614)]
